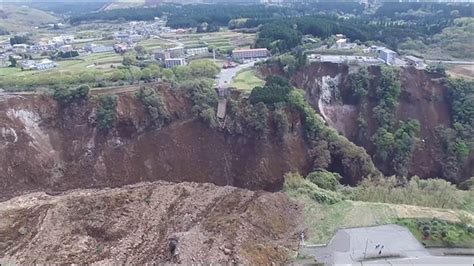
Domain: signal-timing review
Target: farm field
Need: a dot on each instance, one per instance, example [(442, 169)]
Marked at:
[(66, 69), (222, 40)]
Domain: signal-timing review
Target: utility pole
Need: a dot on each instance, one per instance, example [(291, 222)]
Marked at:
[(214, 54)]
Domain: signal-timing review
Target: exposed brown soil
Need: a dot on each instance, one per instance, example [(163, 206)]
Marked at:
[(423, 97), (44, 147), (134, 225)]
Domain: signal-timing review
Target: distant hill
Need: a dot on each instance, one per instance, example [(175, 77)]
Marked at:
[(16, 18)]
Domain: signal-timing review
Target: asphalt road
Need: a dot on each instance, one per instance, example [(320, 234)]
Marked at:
[(225, 77), (358, 246)]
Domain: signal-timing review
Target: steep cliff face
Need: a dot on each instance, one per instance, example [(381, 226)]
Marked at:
[(422, 97), (47, 147)]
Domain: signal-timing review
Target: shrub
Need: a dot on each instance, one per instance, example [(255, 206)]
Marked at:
[(276, 90), (295, 184), (153, 103), (65, 96), (325, 179), (105, 114), (360, 83), (436, 193)]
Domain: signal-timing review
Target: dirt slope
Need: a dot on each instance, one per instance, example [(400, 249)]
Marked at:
[(422, 97), (44, 147), (133, 225)]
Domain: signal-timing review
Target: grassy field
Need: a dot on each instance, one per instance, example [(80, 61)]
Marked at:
[(66, 70), (461, 71), (323, 219), (153, 44), (222, 40), (247, 80)]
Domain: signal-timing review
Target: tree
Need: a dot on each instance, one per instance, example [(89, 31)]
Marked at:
[(154, 105), (13, 62), (203, 68), (276, 90), (105, 114), (18, 39), (129, 60), (140, 49), (117, 74), (168, 75)]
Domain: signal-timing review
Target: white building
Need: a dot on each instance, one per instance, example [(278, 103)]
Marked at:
[(42, 65), (45, 64), (197, 51), (250, 53), (341, 43), (66, 48), (387, 56), (98, 48), (172, 62), (20, 48)]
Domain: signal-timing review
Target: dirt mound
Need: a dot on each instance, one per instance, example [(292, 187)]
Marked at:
[(45, 147), (134, 225)]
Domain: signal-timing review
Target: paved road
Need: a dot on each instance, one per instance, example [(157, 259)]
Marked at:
[(454, 62), (225, 77), (356, 245)]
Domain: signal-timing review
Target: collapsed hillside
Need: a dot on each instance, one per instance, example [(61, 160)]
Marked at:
[(423, 96), (48, 147), (134, 225)]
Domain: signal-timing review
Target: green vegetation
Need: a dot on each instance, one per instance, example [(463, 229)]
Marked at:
[(18, 39), (325, 179), (197, 68), (106, 114), (456, 143), (96, 70), (295, 184), (327, 146), (204, 99), (154, 105), (387, 93), (278, 37), (438, 233), (276, 90), (247, 80), (325, 211), (290, 62), (451, 43), (65, 96), (436, 193), (360, 82)]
